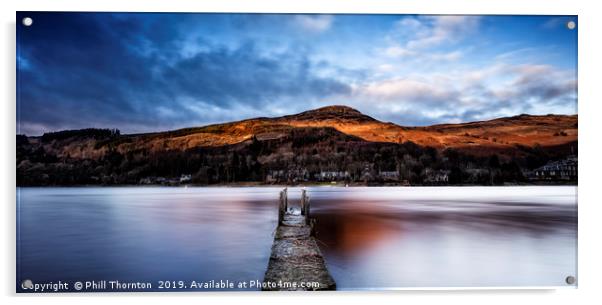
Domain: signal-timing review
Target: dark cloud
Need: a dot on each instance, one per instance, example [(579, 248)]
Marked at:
[(126, 71), (226, 77)]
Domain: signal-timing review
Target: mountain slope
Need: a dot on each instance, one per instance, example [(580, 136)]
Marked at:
[(501, 135), (478, 137), (309, 146), (527, 130)]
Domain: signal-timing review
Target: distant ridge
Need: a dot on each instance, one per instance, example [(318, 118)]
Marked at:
[(504, 135)]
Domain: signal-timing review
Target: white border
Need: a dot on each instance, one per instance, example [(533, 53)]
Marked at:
[(589, 145)]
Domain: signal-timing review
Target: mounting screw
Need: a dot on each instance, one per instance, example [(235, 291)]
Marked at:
[(571, 25), (27, 284), (570, 280), (27, 21)]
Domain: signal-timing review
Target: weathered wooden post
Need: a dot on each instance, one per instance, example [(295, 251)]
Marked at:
[(303, 202), (307, 219), (305, 205), (281, 207), (285, 199)]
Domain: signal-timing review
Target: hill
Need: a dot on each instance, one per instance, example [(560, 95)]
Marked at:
[(329, 139)]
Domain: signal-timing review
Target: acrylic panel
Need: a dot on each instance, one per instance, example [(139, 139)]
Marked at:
[(219, 152)]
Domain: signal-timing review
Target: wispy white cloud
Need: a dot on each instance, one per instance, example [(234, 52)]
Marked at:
[(314, 23), (415, 36), (447, 56), (398, 51), (435, 81), (556, 22), (443, 29), (515, 53), (406, 89), (385, 68), (496, 90), (403, 53)]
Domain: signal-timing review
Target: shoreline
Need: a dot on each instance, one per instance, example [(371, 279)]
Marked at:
[(252, 185)]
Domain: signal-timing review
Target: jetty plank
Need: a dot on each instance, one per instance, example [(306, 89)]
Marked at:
[(296, 262)]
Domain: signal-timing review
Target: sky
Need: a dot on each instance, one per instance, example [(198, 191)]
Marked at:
[(145, 72)]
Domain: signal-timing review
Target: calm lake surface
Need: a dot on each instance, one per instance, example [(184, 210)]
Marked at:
[(372, 238)]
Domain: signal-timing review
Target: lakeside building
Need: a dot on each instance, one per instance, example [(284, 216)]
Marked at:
[(291, 175), (389, 175), (436, 176), (565, 169), (332, 175)]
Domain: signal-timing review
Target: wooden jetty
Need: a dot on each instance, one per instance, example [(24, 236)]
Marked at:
[(296, 262)]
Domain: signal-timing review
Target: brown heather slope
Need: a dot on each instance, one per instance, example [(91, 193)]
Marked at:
[(498, 135), (503, 135), (527, 130)]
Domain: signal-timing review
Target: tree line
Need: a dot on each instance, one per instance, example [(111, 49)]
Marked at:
[(299, 156)]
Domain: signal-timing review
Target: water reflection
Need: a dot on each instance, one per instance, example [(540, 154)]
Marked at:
[(347, 233), (371, 237), (392, 241), (143, 234)]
